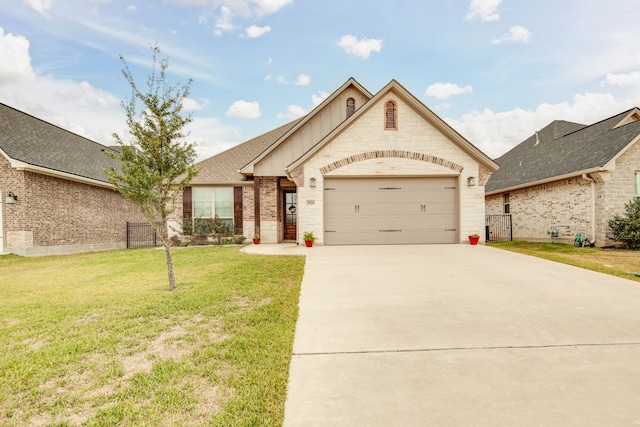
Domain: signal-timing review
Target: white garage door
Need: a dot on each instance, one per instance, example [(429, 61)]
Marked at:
[(375, 211)]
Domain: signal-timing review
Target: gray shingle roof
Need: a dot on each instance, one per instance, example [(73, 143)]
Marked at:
[(38, 143), (564, 148), (224, 167)]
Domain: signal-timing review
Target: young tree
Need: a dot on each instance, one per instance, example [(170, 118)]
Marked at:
[(626, 228), (157, 164)]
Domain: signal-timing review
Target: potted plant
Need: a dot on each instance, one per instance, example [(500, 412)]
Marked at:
[(256, 239), (474, 238), (309, 239)]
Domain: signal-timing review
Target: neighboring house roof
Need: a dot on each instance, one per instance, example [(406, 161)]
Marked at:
[(32, 144), (564, 149), (422, 109), (224, 167)]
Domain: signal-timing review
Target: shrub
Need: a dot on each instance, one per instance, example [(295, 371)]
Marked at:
[(626, 228)]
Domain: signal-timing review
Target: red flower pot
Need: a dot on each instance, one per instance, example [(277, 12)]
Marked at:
[(256, 241), (308, 243), (474, 240)]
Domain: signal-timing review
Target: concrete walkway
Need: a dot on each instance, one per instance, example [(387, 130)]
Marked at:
[(459, 335)]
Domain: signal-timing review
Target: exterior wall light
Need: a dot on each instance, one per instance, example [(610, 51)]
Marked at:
[(11, 198), (312, 183), (471, 181)]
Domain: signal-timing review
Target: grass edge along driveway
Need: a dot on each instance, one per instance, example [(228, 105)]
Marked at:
[(97, 339), (615, 262)]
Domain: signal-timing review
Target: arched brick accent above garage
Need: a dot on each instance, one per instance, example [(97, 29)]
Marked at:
[(391, 153)]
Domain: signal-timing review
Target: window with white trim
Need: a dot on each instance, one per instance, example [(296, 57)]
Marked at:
[(637, 184), (507, 203)]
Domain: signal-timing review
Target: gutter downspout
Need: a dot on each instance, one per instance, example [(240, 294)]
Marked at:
[(593, 205)]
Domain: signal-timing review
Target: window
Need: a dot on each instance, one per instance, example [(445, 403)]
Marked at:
[(390, 115), (507, 203), (351, 107), (637, 184), (209, 202)]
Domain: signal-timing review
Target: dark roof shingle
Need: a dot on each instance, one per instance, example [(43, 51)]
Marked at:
[(38, 143), (563, 148), (224, 167)]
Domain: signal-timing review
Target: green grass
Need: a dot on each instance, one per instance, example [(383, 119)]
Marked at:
[(615, 262), (97, 339)]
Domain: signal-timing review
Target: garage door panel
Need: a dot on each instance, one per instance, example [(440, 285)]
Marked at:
[(391, 210)]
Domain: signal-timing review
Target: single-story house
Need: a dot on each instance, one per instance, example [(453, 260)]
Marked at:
[(55, 197), (361, 168), (569, 179)]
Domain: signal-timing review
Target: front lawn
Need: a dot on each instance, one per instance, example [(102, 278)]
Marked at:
[(97, 339), (616, 262)]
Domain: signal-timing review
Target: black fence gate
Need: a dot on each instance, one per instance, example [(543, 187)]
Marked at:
[(498, 228), (140, 234)]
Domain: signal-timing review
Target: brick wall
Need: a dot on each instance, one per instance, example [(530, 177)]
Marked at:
[(565, 204), (53, 213), (269, 201)]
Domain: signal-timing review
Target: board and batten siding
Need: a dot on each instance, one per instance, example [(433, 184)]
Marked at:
[(309, 134)]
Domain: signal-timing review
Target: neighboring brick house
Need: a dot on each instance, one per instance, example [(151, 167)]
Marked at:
[(569, 177), (359, 169), (55, 197)]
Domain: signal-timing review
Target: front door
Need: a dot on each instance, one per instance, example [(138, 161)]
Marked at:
[(290, 215)]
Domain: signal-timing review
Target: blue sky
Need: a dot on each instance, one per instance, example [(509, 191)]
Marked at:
[(496, 70)]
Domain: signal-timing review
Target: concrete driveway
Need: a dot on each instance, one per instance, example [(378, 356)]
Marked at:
[(459, 335)]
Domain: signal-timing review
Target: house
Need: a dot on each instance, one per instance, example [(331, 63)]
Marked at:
[(55, 197), (569, 178), (361, 168)]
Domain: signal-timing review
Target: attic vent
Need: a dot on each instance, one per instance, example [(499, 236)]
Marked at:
[(635, 117), (351, 106)]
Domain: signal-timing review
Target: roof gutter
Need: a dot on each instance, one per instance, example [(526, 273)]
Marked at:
[(545, 181)]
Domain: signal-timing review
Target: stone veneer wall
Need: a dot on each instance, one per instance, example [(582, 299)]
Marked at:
[(616, 188), (55, 215), (431, 154)]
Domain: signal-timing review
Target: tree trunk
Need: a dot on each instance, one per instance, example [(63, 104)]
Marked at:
[(172, 278), (166, 242)]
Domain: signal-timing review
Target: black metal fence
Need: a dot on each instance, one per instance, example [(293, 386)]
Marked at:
[(141, 234), (498, 228)]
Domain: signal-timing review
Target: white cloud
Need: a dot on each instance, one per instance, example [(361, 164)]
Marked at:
[(16, 61), (246, 9), (516, 34), (485, 10), (321, 96), (132, 8), (190, 104), (41, 6), (630, 79), (244, 110), (445, 90), (293, 112), (254, 31), (268, 77), (361, 48), (303, 80), (495, 133), (224, 22)]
